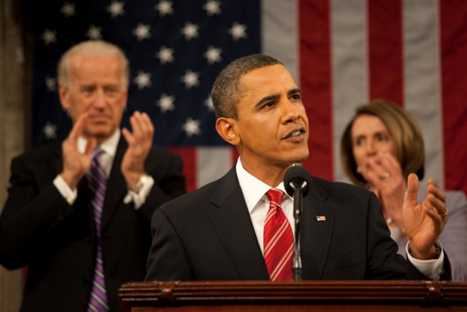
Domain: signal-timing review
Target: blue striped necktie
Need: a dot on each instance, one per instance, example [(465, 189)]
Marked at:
[(97, 181)]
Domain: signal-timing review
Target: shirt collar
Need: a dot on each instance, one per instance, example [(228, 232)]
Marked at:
[(109, 146), (254, 189)]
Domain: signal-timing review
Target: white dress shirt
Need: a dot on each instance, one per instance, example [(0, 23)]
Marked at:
[(257, 202), (105, 159)]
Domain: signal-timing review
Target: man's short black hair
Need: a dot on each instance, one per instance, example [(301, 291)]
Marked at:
[(226, 90)]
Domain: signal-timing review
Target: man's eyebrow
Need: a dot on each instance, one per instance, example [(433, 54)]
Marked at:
[(275, 96), (294, 91), (267, 99), (87, 86)]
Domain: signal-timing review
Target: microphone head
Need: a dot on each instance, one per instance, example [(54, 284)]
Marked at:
[(297, 176)]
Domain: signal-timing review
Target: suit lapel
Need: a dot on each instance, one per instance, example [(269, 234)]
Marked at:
[(233, 225), (116, 185), (315, 234)]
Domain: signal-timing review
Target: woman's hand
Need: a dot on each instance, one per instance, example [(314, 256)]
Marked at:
[(386, 180)]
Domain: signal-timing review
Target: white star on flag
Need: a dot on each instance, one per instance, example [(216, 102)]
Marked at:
[(142, 32), (68, 9), (94, 32), (166, 103), (190, 79), (213, 54), (191, 127), (143, 80), (237, 31), (50, 131), (190, 31), (208, 103), (116, 8), (165, 55), (164, 7), (212, 7), (51, 84), (49, 36)]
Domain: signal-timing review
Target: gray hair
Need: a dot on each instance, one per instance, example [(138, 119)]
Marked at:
[(95, 48), (226, 90)]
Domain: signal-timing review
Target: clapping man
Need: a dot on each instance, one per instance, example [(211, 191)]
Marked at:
[(78, 212)]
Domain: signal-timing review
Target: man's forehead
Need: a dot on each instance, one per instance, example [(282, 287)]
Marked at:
[(268, 78), (89, 61), (95, 68)]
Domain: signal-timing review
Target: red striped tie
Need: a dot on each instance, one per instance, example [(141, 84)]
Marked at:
[(278, 240)]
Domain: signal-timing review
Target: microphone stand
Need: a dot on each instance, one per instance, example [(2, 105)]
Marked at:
[(297, 181), (297, 212)]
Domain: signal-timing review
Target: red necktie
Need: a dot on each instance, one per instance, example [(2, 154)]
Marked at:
[(278, 240)]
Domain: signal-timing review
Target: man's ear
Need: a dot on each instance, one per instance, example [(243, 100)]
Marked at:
[(63, 94), (227, 130)]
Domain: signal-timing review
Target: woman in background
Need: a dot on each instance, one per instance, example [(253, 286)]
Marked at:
[(380, 147)]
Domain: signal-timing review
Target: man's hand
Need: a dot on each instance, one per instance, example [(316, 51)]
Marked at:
[(139, 145), (76, 164), (425, 221), (386, 180)]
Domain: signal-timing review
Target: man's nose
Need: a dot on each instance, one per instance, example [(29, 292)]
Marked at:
[(291, 111), (100, 99)]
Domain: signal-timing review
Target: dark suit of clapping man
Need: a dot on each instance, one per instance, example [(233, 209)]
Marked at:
[(218, 232), (49, 220)]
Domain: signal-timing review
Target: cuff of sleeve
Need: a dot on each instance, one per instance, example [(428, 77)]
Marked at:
[(431, 268), (67, 193), (140, 198)]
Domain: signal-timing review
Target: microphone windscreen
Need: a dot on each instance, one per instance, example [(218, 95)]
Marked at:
[(295, 177)]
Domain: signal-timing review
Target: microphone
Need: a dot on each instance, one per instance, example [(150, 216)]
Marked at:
[(297, 183), (297, 177)]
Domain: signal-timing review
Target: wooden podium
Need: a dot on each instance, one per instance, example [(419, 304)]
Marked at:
[(257, 296)]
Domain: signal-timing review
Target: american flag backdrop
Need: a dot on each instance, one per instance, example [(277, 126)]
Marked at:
[(342, 53)]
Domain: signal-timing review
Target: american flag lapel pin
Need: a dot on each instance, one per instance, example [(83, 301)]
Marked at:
[(320, 218)]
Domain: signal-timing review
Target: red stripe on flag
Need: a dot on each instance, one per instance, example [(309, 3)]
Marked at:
[(315, 82), (386, 69), (453, 16), (190, 166)]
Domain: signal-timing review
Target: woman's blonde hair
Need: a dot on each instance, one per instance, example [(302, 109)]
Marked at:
[(404, 131)]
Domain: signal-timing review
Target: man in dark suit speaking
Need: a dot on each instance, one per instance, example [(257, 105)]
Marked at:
[(78, 212), (240, 227)]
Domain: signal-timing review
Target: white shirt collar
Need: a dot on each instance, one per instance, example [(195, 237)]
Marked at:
[(109, 146), (254, 189)]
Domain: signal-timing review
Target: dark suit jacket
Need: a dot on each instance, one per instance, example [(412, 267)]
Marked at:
[(40, 229), (207, 235)]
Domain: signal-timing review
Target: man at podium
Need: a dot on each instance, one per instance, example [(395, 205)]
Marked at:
[(241, 227)]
